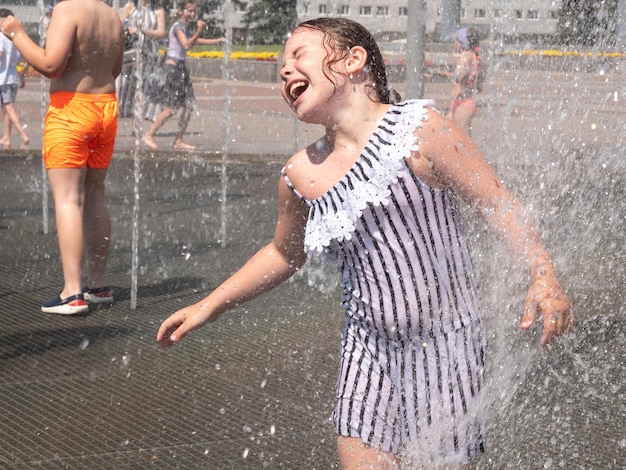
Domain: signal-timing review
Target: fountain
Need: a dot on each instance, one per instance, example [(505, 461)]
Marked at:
[(255, 389)]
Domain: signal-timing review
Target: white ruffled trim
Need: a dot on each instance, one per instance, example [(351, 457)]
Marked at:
[(340, 224)]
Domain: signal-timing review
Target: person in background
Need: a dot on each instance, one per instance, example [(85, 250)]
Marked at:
[(46, 24), (145, 26), (177, 89), (10, 81), (468, 77), (83, 55), (377, 196)]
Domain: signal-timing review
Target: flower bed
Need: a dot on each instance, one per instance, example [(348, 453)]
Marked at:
[(240, 55), (557, 53)]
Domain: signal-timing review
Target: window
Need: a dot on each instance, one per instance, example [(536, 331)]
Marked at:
[(404, 11), (532, 15), (553, 14), (323, 9), (518, 15), (365, 11), (497, 13), (480, 13), (343, 10), (382, 11)]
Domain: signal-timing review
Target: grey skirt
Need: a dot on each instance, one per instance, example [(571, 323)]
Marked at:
[(172, 87)]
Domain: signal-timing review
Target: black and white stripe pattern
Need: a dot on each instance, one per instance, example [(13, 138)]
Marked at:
[(413, 346), (417, 398)]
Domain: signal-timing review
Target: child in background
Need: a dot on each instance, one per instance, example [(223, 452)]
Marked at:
[(177, 90), (468, 77), (10, 81), (376, 195), (82, 57)]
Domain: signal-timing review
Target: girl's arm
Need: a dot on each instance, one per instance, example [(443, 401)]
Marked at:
[(267, 269), (457, 163), (189, 42), (210, 42), (461, 71)]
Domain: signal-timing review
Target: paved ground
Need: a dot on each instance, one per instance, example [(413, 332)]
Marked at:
[(255, 390)]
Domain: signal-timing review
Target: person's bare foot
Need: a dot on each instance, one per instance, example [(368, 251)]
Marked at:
[(146, 139), (6, 144), (180, 145), (25, 143)]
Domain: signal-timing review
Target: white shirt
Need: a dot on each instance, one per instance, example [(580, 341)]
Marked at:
[(9, 58)]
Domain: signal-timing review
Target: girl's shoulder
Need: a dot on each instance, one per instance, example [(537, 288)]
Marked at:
[(412, 113), (178, 24)]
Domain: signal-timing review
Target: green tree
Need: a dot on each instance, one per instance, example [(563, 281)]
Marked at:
[(269, 21), (587, 22)]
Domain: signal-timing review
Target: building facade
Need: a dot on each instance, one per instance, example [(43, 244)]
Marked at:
[(508, 18)]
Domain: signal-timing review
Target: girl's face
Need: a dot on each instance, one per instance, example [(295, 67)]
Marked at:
[(189, 12), (305, 87)]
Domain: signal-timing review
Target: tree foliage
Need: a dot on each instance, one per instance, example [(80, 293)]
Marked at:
[(269, 21), (266, 21), (587, 22)]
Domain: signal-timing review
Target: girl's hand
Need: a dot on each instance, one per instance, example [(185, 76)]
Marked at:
[(546, 296), (176, 327)]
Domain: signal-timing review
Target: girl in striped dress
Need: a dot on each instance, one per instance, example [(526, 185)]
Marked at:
[(376, 196)]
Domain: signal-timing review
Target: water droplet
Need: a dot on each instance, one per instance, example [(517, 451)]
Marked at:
[(218, 366), (84, 343), (245, 453)]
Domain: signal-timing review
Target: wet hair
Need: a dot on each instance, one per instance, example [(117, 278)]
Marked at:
[(340, 36), (4, 12), (183, 4), (469, 38)]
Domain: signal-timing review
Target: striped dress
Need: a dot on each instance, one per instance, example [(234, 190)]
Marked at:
[(413, 346)]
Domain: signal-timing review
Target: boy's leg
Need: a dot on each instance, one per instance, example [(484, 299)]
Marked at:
[(11, 113), (67, 186), (97, 227), (6, 130)]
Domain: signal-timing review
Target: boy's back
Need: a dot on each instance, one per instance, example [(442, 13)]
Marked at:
[(84, 48), (93, 62)]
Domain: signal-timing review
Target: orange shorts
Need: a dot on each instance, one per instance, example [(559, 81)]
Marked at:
[(79, 130)]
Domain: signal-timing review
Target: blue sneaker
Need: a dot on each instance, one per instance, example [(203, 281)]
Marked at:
[(69, 306), (98, 295)]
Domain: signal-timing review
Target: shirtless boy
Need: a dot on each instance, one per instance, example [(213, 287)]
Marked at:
[(82, 57)]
